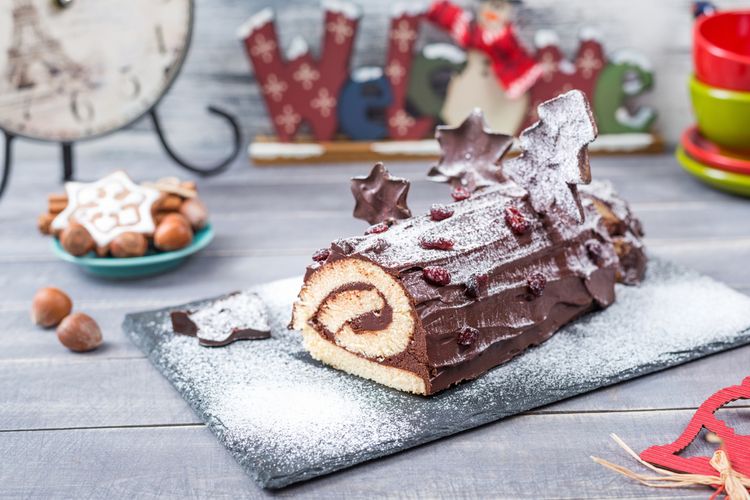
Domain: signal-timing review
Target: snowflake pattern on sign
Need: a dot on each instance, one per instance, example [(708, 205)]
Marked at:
[(288, 119), (302, 88), (341, 29), (108, 207), (402, 36), (274, 87), (264, 49), (555, 156), (306, 75), (471, 154), (559, 74), (395, 72), (324, 102)]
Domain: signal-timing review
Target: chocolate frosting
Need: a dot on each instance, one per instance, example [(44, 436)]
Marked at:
[(580, 242), (380, 197), (471, 154)]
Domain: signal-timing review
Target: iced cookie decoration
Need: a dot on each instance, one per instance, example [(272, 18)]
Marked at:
[(108, 208), (238, 316), (436, 299), (115, 217)]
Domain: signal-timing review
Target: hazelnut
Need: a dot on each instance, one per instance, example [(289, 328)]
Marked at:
[(195, 212), (173, 233), (79, 332), (129, 245), (169, 203), (50, 306), (44, 223), (76, 240)]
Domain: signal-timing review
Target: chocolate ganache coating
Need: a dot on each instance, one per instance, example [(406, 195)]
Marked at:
[(504, 272)]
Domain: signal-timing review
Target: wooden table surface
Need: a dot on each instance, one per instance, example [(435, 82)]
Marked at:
[(107, 424)]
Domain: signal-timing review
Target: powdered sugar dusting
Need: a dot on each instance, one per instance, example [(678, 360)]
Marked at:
[(241, 311), (287, 418)]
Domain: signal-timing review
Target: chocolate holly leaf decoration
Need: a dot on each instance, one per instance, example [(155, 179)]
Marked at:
[(471, 154), (380, 197), (555, 156)]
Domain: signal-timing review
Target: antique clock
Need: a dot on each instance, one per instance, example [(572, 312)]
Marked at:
[(72, 70)]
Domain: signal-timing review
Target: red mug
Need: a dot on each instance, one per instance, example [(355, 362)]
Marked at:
[(721, 50)]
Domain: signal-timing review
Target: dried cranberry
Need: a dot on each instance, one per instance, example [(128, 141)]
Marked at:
[(516, 221), (379, 246), (321, 255), (475, 284), (377, 228), (436, 275), (440, 212), (536, 283), (595, 251), (460, 193), (437, 244), (467, 336)]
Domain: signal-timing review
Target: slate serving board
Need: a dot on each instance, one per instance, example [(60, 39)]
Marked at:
[(287, 418)]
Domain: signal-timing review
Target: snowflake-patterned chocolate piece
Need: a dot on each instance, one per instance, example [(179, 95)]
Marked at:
[(471, 154), (555, 156), (109, 207), (380, 197), (237, 316)]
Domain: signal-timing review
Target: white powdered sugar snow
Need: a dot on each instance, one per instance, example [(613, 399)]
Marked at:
[(287, 418), (239, 311)]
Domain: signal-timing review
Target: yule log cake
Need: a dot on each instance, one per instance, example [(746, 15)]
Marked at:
[(422, 303)]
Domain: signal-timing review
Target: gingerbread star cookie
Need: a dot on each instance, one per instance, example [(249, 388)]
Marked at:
[(108, 207)]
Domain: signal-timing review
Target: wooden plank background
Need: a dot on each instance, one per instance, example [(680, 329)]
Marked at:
[(106, 424)]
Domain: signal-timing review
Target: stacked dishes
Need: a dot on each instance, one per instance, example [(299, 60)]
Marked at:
[(717, 151)]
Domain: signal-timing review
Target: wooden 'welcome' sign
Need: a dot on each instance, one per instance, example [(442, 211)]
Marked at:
[(322, 110)]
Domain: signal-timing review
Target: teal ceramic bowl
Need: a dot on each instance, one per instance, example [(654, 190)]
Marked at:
[(723, 115), (137, 267)]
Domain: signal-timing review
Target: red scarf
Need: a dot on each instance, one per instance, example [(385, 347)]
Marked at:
[(515, 69)]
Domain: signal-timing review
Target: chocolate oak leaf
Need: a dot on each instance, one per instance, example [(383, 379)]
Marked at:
[(380, 197), (471, 154), (555, 156)]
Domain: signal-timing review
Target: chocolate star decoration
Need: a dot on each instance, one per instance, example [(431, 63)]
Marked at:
[(471, 154), (555, 156), (380, 197)]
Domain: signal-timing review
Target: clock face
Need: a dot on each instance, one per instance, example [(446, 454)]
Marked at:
[(74, 69)]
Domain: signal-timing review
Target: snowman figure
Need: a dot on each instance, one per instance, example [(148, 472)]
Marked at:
[(498, 72)]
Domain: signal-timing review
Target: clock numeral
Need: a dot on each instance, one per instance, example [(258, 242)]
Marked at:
[(161, 44), (82, 109), (132, 87)]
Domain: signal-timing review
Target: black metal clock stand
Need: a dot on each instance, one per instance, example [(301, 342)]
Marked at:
[(67, 150)]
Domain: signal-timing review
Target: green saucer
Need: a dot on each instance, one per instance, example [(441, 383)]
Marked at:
[(137, 267), (726, 181)]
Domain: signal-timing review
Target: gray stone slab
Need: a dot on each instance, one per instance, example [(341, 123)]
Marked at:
[(286, 418)]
